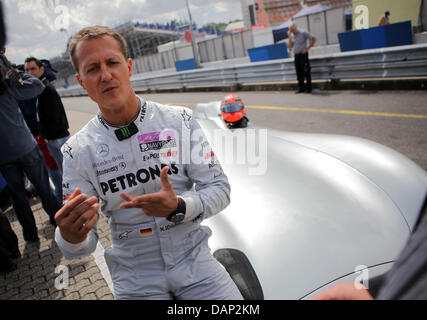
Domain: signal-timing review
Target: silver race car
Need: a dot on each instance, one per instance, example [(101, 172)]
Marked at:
[(308, 210)]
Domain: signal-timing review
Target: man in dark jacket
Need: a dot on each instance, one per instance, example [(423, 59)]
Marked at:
[(52, 118), (20, 154), (29, 111), (51, 112)]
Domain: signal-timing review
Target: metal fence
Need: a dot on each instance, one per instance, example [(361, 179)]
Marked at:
[(404, 61), (324, 25), (155, 62), (230, 46)]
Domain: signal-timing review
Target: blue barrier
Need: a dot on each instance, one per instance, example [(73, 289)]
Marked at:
[(390, 35), (373, 38), (399, 34), (270, 52), (187, 64), (350, 40)]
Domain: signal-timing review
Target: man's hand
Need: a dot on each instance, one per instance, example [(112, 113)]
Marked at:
[(290, 44), (344, 291), (77, 217), (159, 204), (313, 41)]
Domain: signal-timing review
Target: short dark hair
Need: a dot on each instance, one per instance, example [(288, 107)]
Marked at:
[(37, 61), (387, 13), (94, 32)]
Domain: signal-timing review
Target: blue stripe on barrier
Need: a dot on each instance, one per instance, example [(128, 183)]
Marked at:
[(270, 52), (187, 64)]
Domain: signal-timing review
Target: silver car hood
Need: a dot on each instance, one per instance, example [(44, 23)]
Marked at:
[(324, 206)]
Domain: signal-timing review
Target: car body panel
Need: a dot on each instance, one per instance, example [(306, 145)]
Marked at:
[(323, 206), (382, 165)]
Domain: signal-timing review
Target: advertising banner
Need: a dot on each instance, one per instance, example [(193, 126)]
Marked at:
[(367, 13)]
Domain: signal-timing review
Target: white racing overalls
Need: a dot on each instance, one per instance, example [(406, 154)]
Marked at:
[(150, 257)]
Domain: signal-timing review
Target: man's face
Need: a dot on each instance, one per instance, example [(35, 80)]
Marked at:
[(32, 68), (293, 29), (104, 72)]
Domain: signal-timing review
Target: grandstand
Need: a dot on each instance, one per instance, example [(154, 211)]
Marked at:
[(143, 39)]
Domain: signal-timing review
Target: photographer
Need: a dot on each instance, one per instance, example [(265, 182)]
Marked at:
[(20, 153)]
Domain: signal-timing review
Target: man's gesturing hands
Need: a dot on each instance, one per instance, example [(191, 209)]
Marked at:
[(77, 217), (159, 204)]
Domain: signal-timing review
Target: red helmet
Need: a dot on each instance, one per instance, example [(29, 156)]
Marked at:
[(232, 108)]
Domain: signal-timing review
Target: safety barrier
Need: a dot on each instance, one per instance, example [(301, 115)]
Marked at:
[(403, 61)]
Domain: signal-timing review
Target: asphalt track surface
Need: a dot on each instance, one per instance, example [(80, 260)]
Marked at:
[(397, 119)]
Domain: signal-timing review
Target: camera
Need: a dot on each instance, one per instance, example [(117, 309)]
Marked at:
[(8, 72)]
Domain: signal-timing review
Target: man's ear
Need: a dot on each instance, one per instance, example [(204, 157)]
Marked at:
[(130, 67), (80, 81)]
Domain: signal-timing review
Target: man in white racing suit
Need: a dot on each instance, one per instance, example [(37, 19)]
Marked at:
[(153, 173)]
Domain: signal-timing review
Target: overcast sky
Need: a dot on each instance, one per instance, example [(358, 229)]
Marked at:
[(34, 26)]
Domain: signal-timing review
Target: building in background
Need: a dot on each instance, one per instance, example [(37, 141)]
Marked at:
[(273, 12), (248, 13)]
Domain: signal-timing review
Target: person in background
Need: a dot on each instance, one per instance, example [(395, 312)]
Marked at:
[(385, 19), (298, 42), (51, 114), (20, 153), (29, 111)]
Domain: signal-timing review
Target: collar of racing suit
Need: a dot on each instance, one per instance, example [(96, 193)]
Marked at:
[(142, 105)]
